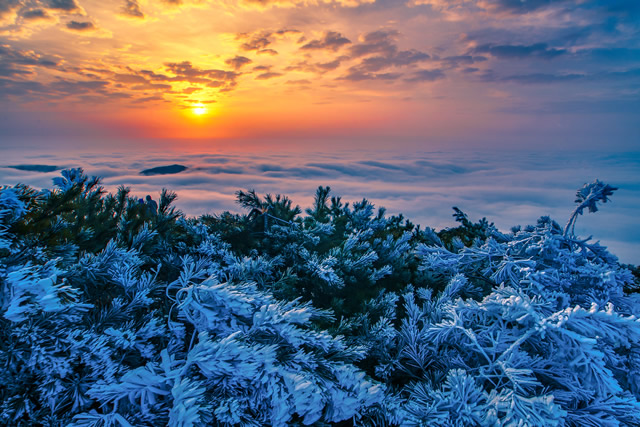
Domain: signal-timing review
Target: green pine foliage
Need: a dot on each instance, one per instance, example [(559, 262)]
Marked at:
[(115, 312)]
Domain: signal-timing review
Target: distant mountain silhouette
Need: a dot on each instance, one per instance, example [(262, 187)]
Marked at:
[(164, 170), (35, 168)]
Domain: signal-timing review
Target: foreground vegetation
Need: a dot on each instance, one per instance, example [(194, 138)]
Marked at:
[(115, 313)]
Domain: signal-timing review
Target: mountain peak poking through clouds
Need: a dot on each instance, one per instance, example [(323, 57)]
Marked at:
[(35, 168), (164, 170)]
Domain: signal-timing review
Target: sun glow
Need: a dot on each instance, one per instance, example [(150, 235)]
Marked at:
[(199, 110)]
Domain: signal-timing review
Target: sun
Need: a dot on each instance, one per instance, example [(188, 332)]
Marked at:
[(199, 109)]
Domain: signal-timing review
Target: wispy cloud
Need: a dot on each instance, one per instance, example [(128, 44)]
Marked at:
[(63, 5), (238, 62), (380, 42), (35, 14), (131, 8), (331, 40), (540, 50), (268, 75), (81, 26), (7, 6), (268, 4), (15, 62)]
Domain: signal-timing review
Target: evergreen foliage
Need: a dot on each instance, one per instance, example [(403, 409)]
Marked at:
[(115, 314)]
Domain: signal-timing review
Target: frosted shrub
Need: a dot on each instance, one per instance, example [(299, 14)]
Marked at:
[(553, 342), (111, 315)]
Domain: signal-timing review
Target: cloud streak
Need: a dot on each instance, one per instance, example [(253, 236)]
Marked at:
[(81, 26), (539, 50)]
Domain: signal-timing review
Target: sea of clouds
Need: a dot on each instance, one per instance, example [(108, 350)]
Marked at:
[(507, 187)]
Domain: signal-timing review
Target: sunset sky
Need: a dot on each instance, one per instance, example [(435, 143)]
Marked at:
[(503, 73)]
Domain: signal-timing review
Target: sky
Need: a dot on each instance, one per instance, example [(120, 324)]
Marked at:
[(503, 108), (404, 74)]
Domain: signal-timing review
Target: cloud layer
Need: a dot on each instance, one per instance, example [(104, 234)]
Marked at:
[(509, 188)]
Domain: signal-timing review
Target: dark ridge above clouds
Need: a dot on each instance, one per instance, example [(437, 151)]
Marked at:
[(164, 170), (35, 168)]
